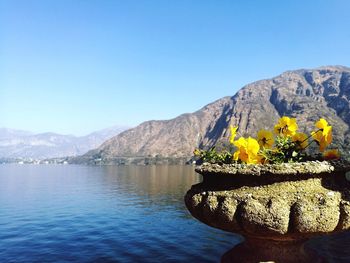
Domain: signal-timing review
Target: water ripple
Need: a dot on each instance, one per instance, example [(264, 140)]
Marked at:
[(102, 214), (112, 214)]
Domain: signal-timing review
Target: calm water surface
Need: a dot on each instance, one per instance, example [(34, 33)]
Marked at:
[(68, 213), (102, 214)]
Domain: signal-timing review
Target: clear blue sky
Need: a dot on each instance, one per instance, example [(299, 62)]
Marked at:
[(78, 66)]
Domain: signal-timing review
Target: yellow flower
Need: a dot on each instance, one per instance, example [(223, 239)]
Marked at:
[(247, 150), (265, 138), (286, 126), (197, 152), (323, 135), (240, 154), (321, 124), (233, 133), (253, 145), (331, 154), (300, 139), (241, 142)]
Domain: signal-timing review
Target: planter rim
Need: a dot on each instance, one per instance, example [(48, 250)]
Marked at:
[(299, 168)]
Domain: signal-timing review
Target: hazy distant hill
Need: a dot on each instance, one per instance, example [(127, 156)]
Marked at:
[(15, 143), (304, 94)]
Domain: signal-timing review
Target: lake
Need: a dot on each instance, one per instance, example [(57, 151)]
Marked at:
[(103, 214), (52, 213)]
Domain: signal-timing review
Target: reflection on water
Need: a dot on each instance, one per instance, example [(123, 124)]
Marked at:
[(113, 214), (334, 248), (82, 213), (331, 249), (253, 251)]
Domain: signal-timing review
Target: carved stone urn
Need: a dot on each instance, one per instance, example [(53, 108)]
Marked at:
[(276, 207)]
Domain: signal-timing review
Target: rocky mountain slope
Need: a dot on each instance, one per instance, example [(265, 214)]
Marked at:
[(22, 144), (304, 94)]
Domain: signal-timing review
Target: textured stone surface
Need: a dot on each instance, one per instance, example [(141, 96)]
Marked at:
[(269, 217), (305, 94), (344, 222), (318, 214), (285, 210), (311, 167)]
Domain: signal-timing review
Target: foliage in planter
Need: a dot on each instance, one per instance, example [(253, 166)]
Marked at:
[(212, 156), (285, 144)]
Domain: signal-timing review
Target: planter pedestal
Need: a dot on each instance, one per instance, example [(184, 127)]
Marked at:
[(282, 204), (257, 250)]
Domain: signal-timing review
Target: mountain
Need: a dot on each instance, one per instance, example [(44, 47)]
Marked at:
[(23, 144), (306, 94)]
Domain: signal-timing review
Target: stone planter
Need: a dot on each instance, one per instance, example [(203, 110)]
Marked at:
[(284, 202)]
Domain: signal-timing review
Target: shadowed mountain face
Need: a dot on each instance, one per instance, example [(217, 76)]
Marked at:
[(22, 144), (304, 94)]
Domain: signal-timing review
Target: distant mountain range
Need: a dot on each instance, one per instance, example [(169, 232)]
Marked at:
[(307, 94), (24, 144)]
